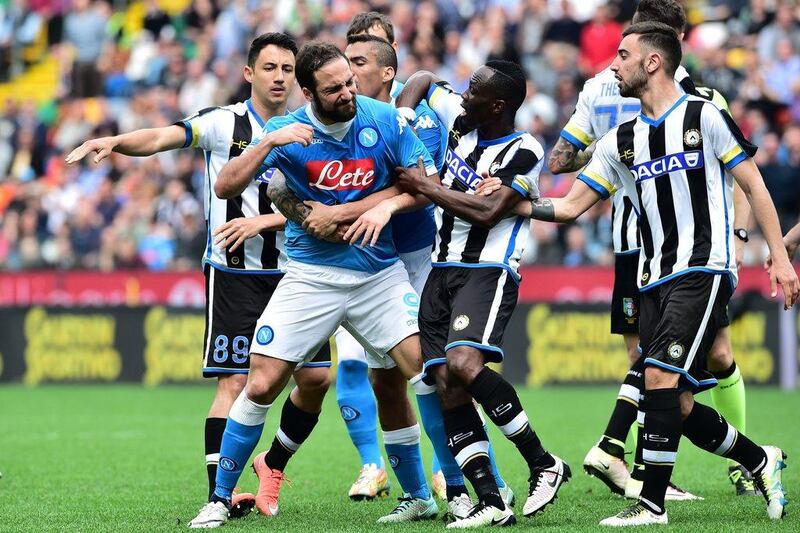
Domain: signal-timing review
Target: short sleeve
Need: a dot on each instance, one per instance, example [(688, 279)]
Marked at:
[(203, 129), (722, 138), (578, 130), (409, 147), (445, 102), (521, 171), (601, 173)]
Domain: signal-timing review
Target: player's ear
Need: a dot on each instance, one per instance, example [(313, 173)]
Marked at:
[(248, 73), (499, 106), (653, 62), (388, 74), (307, 94)]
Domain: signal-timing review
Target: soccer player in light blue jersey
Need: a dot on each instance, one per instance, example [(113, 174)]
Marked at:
[(338, 149)]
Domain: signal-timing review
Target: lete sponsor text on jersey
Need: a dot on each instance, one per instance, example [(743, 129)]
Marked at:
[(336, 175)]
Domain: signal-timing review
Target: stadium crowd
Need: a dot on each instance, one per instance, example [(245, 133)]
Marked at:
[(148, 213)]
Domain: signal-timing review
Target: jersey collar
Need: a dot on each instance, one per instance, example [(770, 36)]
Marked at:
[(253, 112), (337, 130)]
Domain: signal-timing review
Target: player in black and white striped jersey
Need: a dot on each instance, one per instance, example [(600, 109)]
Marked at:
[(243, 257), (671, 162), (472, 289), (600, 107)]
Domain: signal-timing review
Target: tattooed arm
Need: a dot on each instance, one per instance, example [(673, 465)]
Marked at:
[(282, 196), (577, 201), (566, 157)]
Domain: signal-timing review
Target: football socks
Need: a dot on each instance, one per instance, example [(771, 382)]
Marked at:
[(295, 427), (359, 410), (405, 458), (662, 433), (215, 427)]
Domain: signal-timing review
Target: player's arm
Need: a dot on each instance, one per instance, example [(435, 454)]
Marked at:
[(792, 241), (414, 91), (781, 271), (142, 142), (741, 219), (240, 171), (233, 233), (566, 157), (574, 146)]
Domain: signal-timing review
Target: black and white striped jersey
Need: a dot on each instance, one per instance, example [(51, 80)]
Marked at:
[(224, 133), (516, 159), (599, 109), (673, 169)]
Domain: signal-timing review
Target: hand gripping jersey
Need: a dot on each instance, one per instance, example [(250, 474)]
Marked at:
[(516, 159), (223, 133), (599, 109), (344, 163), (673, 169)]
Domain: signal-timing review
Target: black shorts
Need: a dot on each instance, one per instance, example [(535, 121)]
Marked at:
[(234, 302), (680, 320), (625, 299), (463, 306)]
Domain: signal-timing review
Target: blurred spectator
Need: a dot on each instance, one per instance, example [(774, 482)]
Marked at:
[(85, 30), (130, 213)]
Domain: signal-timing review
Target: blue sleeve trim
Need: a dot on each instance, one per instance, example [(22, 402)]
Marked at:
[(736, 160), (573, 140), (599, 189), (187, 130)]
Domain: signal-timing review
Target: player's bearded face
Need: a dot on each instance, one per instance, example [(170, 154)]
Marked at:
[(334, 98), (341, 109), (633, 81)]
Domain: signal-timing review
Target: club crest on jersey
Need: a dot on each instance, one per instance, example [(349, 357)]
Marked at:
[(368, 137), (461, 171), (669, 163), (692, 138), (354, 174)]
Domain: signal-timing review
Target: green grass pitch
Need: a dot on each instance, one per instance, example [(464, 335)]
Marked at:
[(128, 458)]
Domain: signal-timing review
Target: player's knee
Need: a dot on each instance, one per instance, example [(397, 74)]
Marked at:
[(633, 354), (388, 385), (720, 358), (314, 381), (657, 378), (463, 364), (229, 386), (261, 390)]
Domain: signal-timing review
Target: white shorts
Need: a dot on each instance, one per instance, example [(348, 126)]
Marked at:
[(418, 265), (312, 301)]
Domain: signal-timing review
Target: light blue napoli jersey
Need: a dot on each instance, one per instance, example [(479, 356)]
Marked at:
[(333, 171), (417, 230)]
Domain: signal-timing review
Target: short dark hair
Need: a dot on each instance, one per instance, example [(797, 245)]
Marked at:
[(661, 37), (312, 57), (281, 40), (509, 82), (387, 57), (363, 22), (669, 12)]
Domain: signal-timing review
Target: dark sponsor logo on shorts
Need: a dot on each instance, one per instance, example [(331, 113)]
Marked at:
[(394, 461), (349, 413), (227, 464), (265, 335)]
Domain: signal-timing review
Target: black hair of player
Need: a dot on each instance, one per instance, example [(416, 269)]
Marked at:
[(281, 40), (312, 57), (660, 37), (669, 12), (363, 22), (508, 83), (384, 51)]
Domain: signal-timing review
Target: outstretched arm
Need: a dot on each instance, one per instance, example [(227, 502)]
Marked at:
[(136, 143)]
